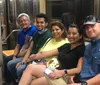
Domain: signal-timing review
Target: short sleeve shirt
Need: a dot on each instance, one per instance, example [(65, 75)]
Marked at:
[(39, 40), (68, 58), (22, 35), (53, 44)]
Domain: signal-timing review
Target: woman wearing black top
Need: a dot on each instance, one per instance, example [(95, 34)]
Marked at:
[(70, 57)]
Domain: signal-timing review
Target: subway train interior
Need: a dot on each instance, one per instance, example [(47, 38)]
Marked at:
[(10, 9)]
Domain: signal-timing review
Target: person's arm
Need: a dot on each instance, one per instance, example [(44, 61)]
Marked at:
[(59, 73), (94, 81), (26, 45), (16, 50), (41, 55), (22, 53), (28, 52)]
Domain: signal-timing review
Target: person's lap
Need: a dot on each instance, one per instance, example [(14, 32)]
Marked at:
[(31, 71), (36, 70), (39, 81), (11, 65), (20, 70)]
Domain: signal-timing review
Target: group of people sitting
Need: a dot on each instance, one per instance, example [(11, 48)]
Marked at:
[(37, 45)]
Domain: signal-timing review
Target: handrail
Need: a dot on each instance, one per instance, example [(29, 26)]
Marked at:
[(15, 30)]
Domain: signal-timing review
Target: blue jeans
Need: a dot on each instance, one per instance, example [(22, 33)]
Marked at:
[(11, 65), (20, 70)]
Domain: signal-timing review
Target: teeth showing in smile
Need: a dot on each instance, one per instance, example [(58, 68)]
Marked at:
[(71, 39)]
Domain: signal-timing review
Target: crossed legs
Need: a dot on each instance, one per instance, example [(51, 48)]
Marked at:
[(39, 81), (36, 71)]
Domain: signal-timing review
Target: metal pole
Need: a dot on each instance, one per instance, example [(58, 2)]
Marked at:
[(1, 57)]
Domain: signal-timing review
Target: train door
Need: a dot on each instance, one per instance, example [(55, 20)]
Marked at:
[(11, 11)]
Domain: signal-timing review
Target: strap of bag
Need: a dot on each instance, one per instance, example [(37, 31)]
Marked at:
[(46, 42)]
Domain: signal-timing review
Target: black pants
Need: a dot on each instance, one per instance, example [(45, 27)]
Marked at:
[(7, 75)]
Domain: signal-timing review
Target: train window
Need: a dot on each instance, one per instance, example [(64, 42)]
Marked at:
[(55, 8)]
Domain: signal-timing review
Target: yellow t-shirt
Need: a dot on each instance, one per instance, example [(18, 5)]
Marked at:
[(52, 44)]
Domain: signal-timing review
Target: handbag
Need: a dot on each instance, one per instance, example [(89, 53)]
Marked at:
[(64, 80), (52, 63)]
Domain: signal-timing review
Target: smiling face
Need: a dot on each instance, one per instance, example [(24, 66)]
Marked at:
[(56, 32), (40, 23), (24, 22), (73, 35), (93, 31)]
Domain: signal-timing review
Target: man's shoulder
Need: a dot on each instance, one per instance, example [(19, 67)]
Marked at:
[(20, 31), (47, 32), (88, 47), (31, 31), (33, 28)]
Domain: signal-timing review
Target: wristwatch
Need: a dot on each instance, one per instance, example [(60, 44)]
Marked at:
[(65, 71), (84, 83), (22, 63)]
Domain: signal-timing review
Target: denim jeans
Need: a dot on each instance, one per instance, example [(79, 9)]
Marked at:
[(11, 65), (20, 70)]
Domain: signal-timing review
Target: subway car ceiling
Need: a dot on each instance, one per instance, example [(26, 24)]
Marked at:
[(53, 8)]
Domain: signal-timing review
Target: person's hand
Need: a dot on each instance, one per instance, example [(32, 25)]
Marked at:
[(28, 60), (56, 74), (32, 56), (18, 64)]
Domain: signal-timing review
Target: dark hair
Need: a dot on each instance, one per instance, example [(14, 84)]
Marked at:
[(73, 25), (61, 26), (42, 15)]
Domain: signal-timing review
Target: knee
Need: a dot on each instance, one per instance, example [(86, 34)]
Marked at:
[(21, 68), (29, 69), (9, 64), (7, 59), (19, 72)]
